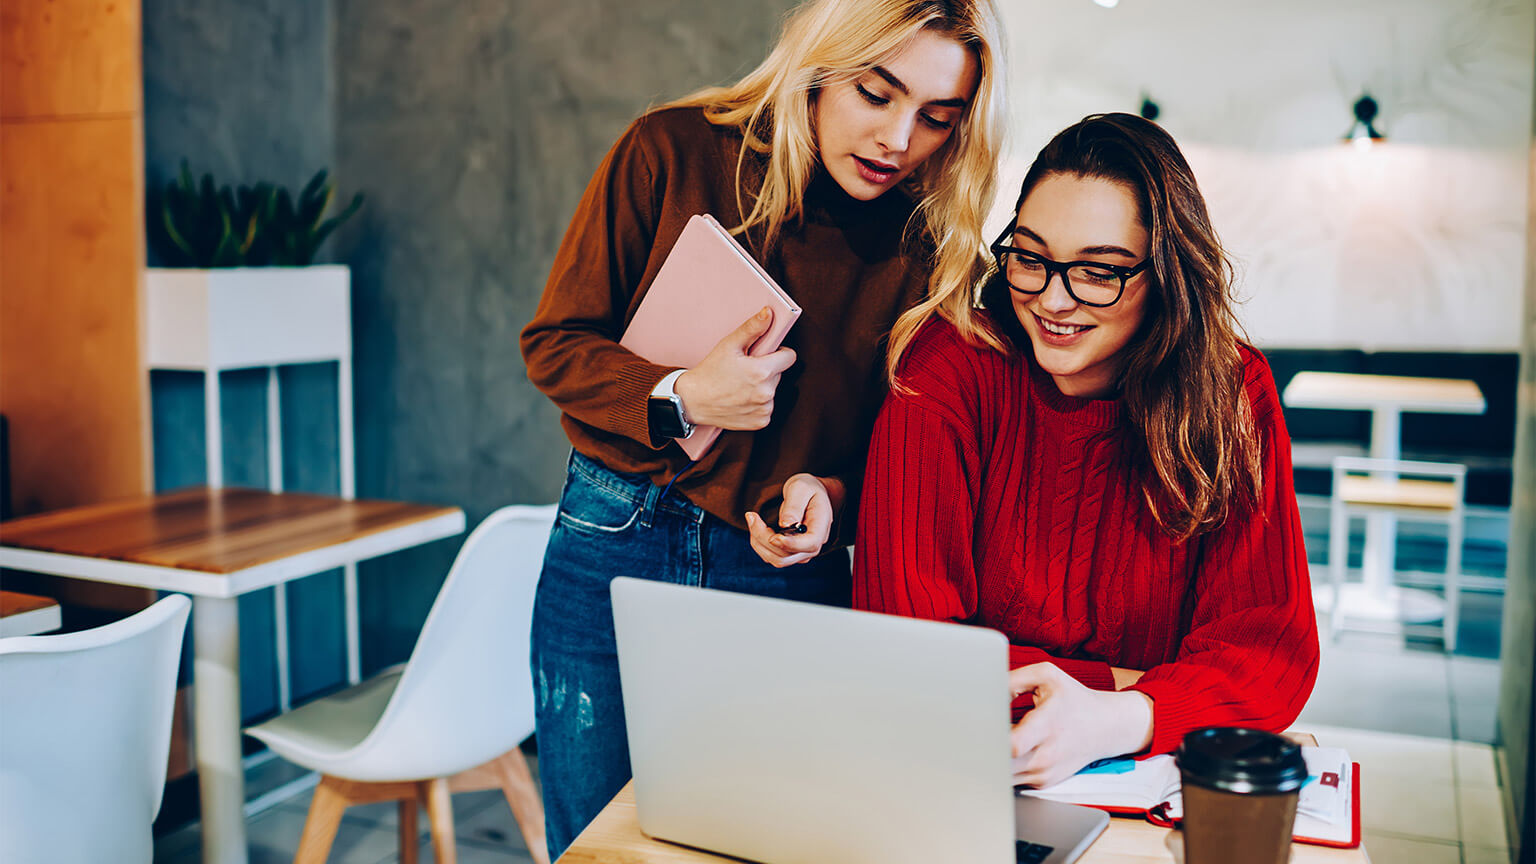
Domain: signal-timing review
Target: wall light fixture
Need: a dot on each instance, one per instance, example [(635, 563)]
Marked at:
[(1363, 133)]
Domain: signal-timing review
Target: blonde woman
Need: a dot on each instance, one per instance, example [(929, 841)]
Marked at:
[(855, 164)]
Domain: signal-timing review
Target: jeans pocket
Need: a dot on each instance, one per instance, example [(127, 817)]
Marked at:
[(590, 505)]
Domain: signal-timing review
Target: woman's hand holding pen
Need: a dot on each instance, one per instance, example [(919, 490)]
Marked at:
[(1072, 725), (730, 388), (805, 521)]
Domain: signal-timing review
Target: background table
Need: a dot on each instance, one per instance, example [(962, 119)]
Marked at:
[(615, 836), (217, 544), (1387, 397), (27, 614)]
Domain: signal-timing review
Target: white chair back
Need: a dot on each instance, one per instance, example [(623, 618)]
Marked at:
[(466, 695), (85, 733)]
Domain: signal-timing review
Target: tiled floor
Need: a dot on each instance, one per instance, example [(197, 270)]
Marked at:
[(1425, 800), (1384, 683)]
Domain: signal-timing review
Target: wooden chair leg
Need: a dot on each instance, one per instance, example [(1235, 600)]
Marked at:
[(325, 810), (523, 797), (440, 815), (410, 834)]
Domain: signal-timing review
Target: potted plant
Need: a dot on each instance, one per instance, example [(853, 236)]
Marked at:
[(239, 288)]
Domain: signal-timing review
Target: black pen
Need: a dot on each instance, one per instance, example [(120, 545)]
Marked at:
[(797, 528)]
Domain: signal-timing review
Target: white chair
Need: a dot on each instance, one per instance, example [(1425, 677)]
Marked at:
[(84, 737), (1407, 490), (448, 720)]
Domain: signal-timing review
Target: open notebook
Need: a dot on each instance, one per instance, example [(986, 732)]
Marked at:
[(1327, 811)]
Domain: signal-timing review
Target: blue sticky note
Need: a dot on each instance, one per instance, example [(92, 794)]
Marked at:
[(1113, 765)]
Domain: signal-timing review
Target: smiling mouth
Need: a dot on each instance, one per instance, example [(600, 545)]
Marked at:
[(1062, 329)]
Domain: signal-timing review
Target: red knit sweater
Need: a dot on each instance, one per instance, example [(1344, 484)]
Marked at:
[(991, 498)]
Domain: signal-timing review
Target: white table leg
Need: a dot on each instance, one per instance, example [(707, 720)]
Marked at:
[(353, 626), (348, 490), (275, 484), (1381, 529), (216, 715)]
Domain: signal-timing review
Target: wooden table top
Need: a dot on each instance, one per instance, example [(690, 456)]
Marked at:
[(17, 603), (1365, 392), (615, 836), (28, 614), (210, 530)]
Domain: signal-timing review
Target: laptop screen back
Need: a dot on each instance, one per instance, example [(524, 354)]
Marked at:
[(788, 732)]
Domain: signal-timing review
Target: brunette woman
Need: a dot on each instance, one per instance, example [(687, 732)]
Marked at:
[(1094, 463)]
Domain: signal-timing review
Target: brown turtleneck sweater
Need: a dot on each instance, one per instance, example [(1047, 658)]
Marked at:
[(846, 264)]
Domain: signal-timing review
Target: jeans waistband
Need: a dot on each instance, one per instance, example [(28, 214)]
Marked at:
[(636, 487)]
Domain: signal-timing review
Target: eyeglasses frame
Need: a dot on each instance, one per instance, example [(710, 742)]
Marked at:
[(1059, 268)]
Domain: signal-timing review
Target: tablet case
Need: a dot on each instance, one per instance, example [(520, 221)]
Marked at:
[(705, 289)]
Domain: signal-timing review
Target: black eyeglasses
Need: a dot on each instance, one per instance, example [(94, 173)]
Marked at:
[(1091, 283)]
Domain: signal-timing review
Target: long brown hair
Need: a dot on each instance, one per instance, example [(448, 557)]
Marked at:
[(833, 40), (1182, 382)]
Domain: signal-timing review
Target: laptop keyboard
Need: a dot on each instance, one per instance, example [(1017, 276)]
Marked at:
[(1025, 852)]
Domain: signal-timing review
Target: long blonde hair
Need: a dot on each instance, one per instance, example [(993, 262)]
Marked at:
[(827, 41)]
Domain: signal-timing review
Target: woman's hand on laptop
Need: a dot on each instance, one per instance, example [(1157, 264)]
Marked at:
[(1072, 725), (810, 503)]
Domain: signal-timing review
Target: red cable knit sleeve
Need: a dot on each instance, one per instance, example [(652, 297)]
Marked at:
[(917, 515), (1250, 655)]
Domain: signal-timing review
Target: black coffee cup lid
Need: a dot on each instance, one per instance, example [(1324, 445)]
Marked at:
[(1246, 761)]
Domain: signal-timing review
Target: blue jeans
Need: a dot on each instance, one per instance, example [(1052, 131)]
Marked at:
[(613, 524)]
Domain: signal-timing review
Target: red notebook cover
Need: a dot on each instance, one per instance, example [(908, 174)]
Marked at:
[(1157, 817)]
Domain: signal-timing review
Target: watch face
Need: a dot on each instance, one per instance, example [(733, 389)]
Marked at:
[(666, 419)]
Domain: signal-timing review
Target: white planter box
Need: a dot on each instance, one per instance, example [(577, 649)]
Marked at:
[(247, 316), (251, 317)]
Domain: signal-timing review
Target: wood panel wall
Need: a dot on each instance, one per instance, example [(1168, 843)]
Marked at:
[(71, 259)]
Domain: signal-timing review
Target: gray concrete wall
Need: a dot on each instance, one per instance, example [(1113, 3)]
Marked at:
[(244, 91), (473, 127), (240, 88)]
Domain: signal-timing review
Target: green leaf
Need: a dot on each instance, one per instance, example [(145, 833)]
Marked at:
[(226, 251), (311, 209), (226, 201), (285, 213), (250, 236), (330, 224), (176, 238), (227, 254), (310, 188)]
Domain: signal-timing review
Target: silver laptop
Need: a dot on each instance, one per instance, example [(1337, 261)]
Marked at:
[(788, 732)]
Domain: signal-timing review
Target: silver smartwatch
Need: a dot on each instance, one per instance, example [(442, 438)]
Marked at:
[(664, 410)]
